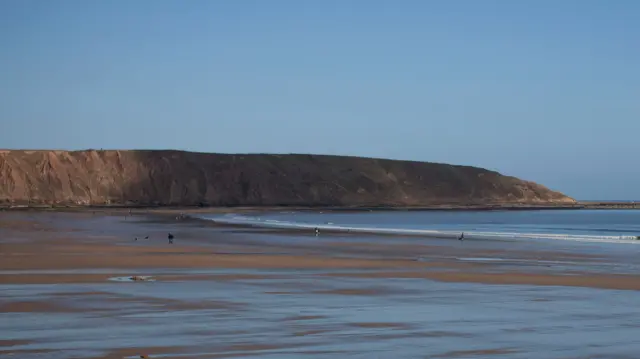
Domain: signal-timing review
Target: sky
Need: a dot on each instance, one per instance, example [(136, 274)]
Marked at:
[(545, 90)]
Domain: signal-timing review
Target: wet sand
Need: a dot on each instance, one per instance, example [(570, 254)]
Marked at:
[(221, 292)]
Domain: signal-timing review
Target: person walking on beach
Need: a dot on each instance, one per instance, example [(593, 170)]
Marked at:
[(170, 236), (317, 231), (461, 238)]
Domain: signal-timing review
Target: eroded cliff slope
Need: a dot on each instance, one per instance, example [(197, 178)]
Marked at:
[(185, 178)]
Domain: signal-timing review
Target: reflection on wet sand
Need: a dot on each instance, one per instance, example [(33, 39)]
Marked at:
[(221, 294)]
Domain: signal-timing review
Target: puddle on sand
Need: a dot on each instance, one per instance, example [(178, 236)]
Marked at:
[(187, 316)]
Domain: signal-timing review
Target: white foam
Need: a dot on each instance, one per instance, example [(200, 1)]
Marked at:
[(140, 278), (512, 260), (258, 222), (480, 259)]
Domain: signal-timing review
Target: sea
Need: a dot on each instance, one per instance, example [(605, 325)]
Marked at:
[(606, 226)]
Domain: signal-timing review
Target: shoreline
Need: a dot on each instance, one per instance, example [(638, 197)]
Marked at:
[(236, 209), (60, 247)]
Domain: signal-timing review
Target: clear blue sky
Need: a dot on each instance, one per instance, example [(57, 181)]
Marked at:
[(546, 90)]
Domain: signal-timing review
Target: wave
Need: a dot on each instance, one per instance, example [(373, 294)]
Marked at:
[(330, 227)]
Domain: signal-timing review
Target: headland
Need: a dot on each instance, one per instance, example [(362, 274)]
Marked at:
[(138, 178)]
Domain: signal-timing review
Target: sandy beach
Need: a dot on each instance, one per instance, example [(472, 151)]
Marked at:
[(222, 292)]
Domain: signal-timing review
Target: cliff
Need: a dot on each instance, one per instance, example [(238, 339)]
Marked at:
[(185, 178)]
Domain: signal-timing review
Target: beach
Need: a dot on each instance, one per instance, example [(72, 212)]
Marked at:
[(233, 291)]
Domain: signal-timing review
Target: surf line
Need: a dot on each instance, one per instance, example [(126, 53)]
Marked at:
[(271, 223)]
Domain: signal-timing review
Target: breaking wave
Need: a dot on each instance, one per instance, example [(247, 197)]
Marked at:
[(433, 233)]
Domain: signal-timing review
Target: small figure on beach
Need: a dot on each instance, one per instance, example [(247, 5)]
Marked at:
[(461, 238), (170, 236), (135, 239), (147, 237), (317, 231)]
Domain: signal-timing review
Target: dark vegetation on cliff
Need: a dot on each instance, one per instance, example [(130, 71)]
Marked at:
[(180, 178)]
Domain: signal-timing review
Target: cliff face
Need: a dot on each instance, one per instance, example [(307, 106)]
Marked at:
[(185, 178)]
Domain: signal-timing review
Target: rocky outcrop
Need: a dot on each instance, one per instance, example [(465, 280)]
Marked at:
[(186, 178)]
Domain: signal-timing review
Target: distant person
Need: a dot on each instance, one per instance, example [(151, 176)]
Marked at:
[(317, 231), (461, 237), (170, 236), (135, 239)]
